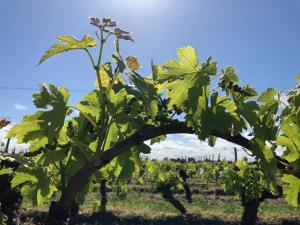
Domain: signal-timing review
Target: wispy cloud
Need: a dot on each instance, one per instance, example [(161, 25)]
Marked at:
[(19, 106)]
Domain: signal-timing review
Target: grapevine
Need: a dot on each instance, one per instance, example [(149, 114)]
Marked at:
[(126, 109)]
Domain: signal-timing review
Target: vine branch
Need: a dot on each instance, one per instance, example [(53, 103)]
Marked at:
[(79, 179)]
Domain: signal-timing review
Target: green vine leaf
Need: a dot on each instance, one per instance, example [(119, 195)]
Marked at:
[(249, 110), (53, 156), (291, 140), (6, 171), (266, 128), (292, 190), (158, 139), (184, 75), (266, 159), (212, 141), (125, 166), (3, 218), (68, 43), (147, 93), (36, 184), (187, 64), (90, 105), (267, 96), (112, 136), (229, 74), (224, 116), (43, 127)]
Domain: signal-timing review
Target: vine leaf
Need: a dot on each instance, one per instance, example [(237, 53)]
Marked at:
[(266, 159), (264, 155), (112, 136), (36, 183), (118, 102), (68, 43), (119, 61), (291, 140), (105, 79), (6, 171), (157, 139), (292, 190), (179, 72), (129, 162), (132, 63), (267, 96), (44, 126), (90, 105), (3, 218), (53, 156), (212, 141), (125, 166), (224, 115), (147, 93), (185, 75), (249, 111), (106, 76), (229, 74), (267, 129)]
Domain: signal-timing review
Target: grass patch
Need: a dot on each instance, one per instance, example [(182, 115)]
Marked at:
[(152, 206)]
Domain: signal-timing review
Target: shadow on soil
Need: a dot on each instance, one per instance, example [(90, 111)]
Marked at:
[(38, 218)]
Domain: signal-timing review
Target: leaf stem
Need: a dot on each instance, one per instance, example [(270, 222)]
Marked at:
[(101, 101), (85, 115), (90, 56), (102, 41), (106, 133), (97, 67)]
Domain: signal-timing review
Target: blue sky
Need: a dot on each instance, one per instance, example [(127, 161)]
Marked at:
[(259, 38)]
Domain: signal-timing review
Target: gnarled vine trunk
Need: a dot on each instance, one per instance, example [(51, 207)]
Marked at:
[(250, 211), (103, 194), (168, 196), (59, 215), (251, 207), (186, 187), (10, 199)]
